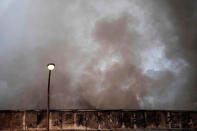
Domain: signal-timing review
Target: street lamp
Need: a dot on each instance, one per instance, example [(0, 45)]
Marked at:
[(50, 67)]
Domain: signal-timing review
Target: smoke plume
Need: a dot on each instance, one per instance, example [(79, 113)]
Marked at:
[(109, 54)]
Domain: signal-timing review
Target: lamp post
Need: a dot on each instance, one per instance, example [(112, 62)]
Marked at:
[(50, 67)]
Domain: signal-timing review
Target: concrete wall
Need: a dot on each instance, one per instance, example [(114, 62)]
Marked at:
[(98, 120)]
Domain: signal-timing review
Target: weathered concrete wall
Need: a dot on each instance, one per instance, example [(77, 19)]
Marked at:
[(98, 120)]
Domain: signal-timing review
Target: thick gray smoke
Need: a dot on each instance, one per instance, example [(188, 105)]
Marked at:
[(109, 54)]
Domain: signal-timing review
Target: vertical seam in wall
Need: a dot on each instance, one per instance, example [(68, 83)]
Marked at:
[(24, 119), (75, 115)]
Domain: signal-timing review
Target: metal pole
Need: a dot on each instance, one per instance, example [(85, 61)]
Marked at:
[(48, 100)]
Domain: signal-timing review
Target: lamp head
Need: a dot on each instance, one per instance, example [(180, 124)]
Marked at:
[(51, 66)]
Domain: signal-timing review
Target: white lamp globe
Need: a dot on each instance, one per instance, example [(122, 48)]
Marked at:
[(51, 66)]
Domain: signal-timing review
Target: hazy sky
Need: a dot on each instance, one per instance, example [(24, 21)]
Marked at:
[(109, 54)]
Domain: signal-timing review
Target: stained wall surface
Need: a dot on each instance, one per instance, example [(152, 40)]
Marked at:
[(99, 120)]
